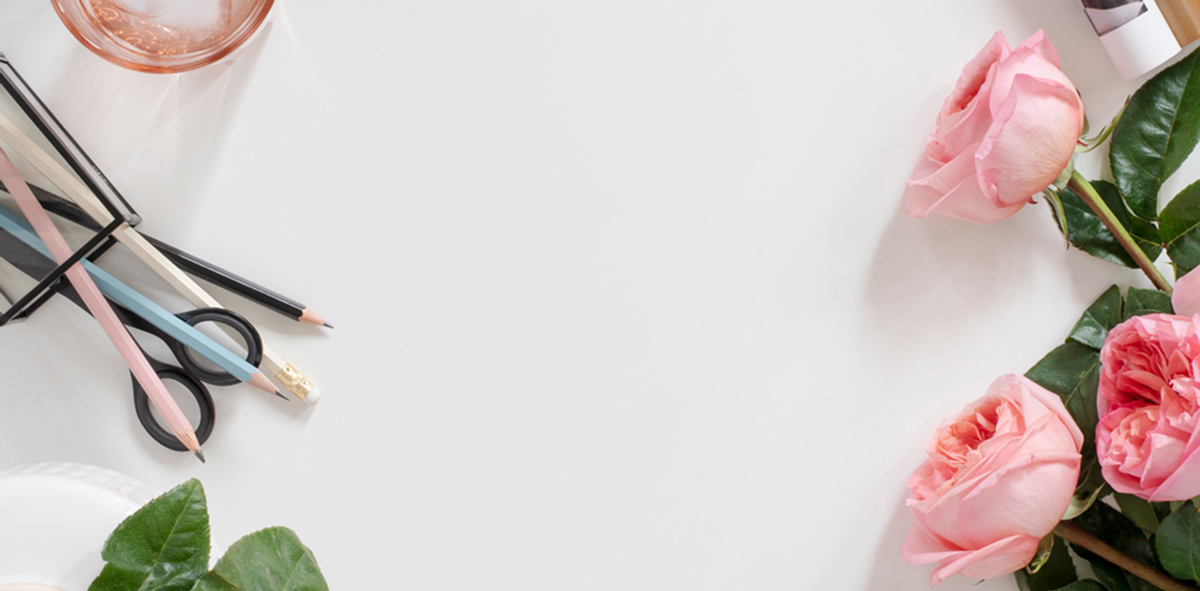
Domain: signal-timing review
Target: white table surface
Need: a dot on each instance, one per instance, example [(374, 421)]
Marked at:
[(624, 294)]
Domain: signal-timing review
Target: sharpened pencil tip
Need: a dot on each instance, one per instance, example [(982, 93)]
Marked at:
[(280, 394), (260, 381), (307, 316), (200, 456), (327, 325)]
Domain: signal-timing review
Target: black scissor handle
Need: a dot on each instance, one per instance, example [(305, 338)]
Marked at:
[(187, 358), (208, 410)]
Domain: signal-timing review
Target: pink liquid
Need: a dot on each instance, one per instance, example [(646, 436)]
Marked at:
[(165, 27)]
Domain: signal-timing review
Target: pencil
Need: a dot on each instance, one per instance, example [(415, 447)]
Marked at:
[(283, 371), (191, 263), (139, 304), (266, 297), (98, 306)]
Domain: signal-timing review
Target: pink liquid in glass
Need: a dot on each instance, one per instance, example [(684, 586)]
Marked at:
[(165, 27), (163, 36)]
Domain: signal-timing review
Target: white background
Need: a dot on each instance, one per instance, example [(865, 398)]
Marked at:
[(624, 293)]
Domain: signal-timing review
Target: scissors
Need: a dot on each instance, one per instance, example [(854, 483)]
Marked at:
[(190, 372)]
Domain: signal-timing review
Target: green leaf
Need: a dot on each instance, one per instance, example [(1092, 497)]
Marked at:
[(271, 559), (1162, 509), (1113, 577), (1086, 232), (1058, 570), (1056, 210), (1180, 229), (1084, 585), (1109, 525), (1118, 531), (1178, 543), (1045, 547), (1090, 486), (1072, 371), (1139, 302), (1140, 511), (1155, 135), (1100, 317), (163, 546)]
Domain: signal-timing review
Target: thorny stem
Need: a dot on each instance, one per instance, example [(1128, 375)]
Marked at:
[(1076, 535), (1089, 195)]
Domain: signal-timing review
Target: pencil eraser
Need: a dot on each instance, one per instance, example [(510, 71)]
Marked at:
[(312, 397)]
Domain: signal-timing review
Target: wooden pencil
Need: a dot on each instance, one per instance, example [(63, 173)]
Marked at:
[(126, 296), (248, 289), (191, 263), (99, 307), (283, 372)]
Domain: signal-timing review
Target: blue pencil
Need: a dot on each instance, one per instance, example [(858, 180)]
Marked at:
[(153, 313)]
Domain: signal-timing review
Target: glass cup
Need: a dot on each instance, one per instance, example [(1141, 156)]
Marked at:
[(163, 36)]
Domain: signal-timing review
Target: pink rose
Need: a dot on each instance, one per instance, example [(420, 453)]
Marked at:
[(1007, 131), (1185, 298), (1149, 433), (999, 477)]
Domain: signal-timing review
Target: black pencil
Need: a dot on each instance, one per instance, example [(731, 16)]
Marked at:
[(238, 284), (195, 265)]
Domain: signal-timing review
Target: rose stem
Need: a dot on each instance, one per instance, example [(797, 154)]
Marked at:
[(1089, 195), (1076, 535)]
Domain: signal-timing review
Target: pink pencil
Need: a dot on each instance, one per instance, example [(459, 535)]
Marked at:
[(98, 306)]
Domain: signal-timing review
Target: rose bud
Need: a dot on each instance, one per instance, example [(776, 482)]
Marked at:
[(1147, 439), (999, 477), (1007, 131)]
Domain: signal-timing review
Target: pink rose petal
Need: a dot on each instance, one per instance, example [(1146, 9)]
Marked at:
[(1017, 115), (1000, 476)]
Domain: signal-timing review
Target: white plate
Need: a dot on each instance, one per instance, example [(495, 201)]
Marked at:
[(54, 519)]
